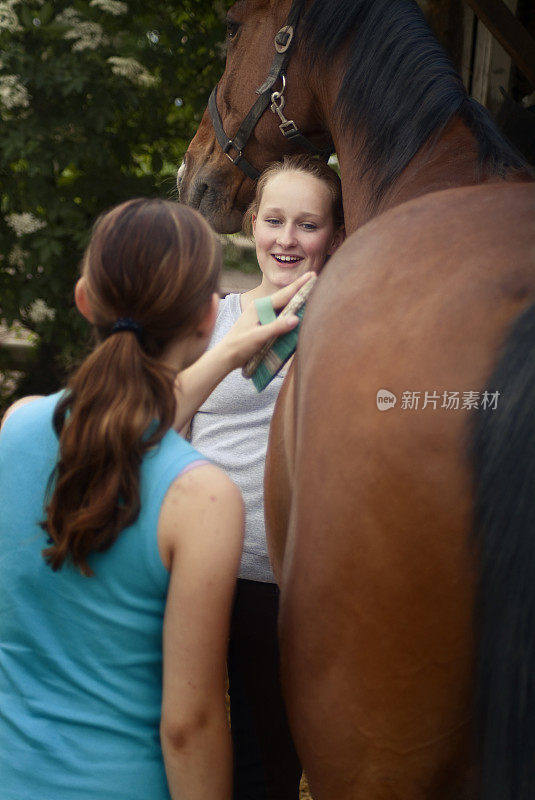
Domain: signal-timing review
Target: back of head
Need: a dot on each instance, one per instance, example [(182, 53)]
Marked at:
[(154, 264)]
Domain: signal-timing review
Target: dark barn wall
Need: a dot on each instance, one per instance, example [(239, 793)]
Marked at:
[(446, 19), (487, 71)]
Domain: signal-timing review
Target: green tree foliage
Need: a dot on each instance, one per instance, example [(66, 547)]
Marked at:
[(98, 101)]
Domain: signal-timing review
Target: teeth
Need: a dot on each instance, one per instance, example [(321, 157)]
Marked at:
[(290, 259)]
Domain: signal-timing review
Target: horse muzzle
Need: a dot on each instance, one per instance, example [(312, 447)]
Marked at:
[(215, 192)]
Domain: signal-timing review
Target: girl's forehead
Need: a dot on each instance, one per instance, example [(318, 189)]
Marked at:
[(293, 187)]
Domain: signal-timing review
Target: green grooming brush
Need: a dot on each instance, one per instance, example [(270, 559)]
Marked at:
[(265, 364)]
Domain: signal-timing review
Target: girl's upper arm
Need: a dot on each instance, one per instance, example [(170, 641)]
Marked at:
[(201, 530)]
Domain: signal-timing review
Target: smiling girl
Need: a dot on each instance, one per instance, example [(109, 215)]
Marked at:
[(296, 220)]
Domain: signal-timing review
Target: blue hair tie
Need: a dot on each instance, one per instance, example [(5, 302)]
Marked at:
[(127, 324)]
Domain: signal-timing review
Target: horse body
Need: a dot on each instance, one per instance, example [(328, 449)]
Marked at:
[(378, 570), (369, 513)]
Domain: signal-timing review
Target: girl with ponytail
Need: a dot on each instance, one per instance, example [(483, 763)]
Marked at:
[(119, 543)]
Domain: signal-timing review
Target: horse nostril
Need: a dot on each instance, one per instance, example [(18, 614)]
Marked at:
[(197, 193)]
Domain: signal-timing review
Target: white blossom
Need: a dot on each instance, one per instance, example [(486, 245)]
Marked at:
[(86, 36), (16, 332), (68, 16), (17, 257), (114, 7), (24, 223), (39, 311), (8, 18), (13, 94), (133, 70)]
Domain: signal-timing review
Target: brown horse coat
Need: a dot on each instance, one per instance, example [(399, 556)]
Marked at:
[(378, 571)]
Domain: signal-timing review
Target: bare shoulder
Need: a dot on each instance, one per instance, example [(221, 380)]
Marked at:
[(206, 497), (204, 483), (201, 509), (18, 403)]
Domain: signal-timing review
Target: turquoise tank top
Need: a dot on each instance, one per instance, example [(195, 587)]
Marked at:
[(80, 658)]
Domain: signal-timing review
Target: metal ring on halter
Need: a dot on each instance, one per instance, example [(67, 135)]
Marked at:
[(282, 76)]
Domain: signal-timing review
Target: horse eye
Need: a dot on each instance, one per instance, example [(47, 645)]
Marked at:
[(232, 28)]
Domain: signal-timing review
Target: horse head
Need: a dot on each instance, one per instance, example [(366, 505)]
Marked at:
[(250, 120)]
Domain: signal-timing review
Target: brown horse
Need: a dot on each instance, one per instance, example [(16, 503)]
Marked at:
[(394, 614)]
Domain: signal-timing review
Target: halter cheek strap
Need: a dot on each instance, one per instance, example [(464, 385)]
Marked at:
[(238, 143)]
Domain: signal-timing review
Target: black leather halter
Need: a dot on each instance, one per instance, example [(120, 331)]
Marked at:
[(284, 41)]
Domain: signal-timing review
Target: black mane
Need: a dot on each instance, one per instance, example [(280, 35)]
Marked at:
[(400, 86)]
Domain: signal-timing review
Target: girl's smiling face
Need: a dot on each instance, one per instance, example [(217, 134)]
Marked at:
[(294, 229)]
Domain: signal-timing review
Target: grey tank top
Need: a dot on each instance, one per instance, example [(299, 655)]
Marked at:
[(231, 429)]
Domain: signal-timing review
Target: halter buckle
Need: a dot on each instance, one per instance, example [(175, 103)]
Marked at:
[(226, 149), (283, 39), (288, 128)]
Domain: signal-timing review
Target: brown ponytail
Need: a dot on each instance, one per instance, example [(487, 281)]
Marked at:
[(157, 263)]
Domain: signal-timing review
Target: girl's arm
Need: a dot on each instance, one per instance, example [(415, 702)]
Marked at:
[(200, 535), (194, 384)]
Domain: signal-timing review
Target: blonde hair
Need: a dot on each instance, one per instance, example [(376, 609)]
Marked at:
[(307, 165)]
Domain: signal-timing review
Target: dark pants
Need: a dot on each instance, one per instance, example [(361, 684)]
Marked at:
[(266, 766)]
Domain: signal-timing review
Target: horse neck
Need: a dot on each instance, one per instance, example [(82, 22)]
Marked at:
[(447, 162)]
